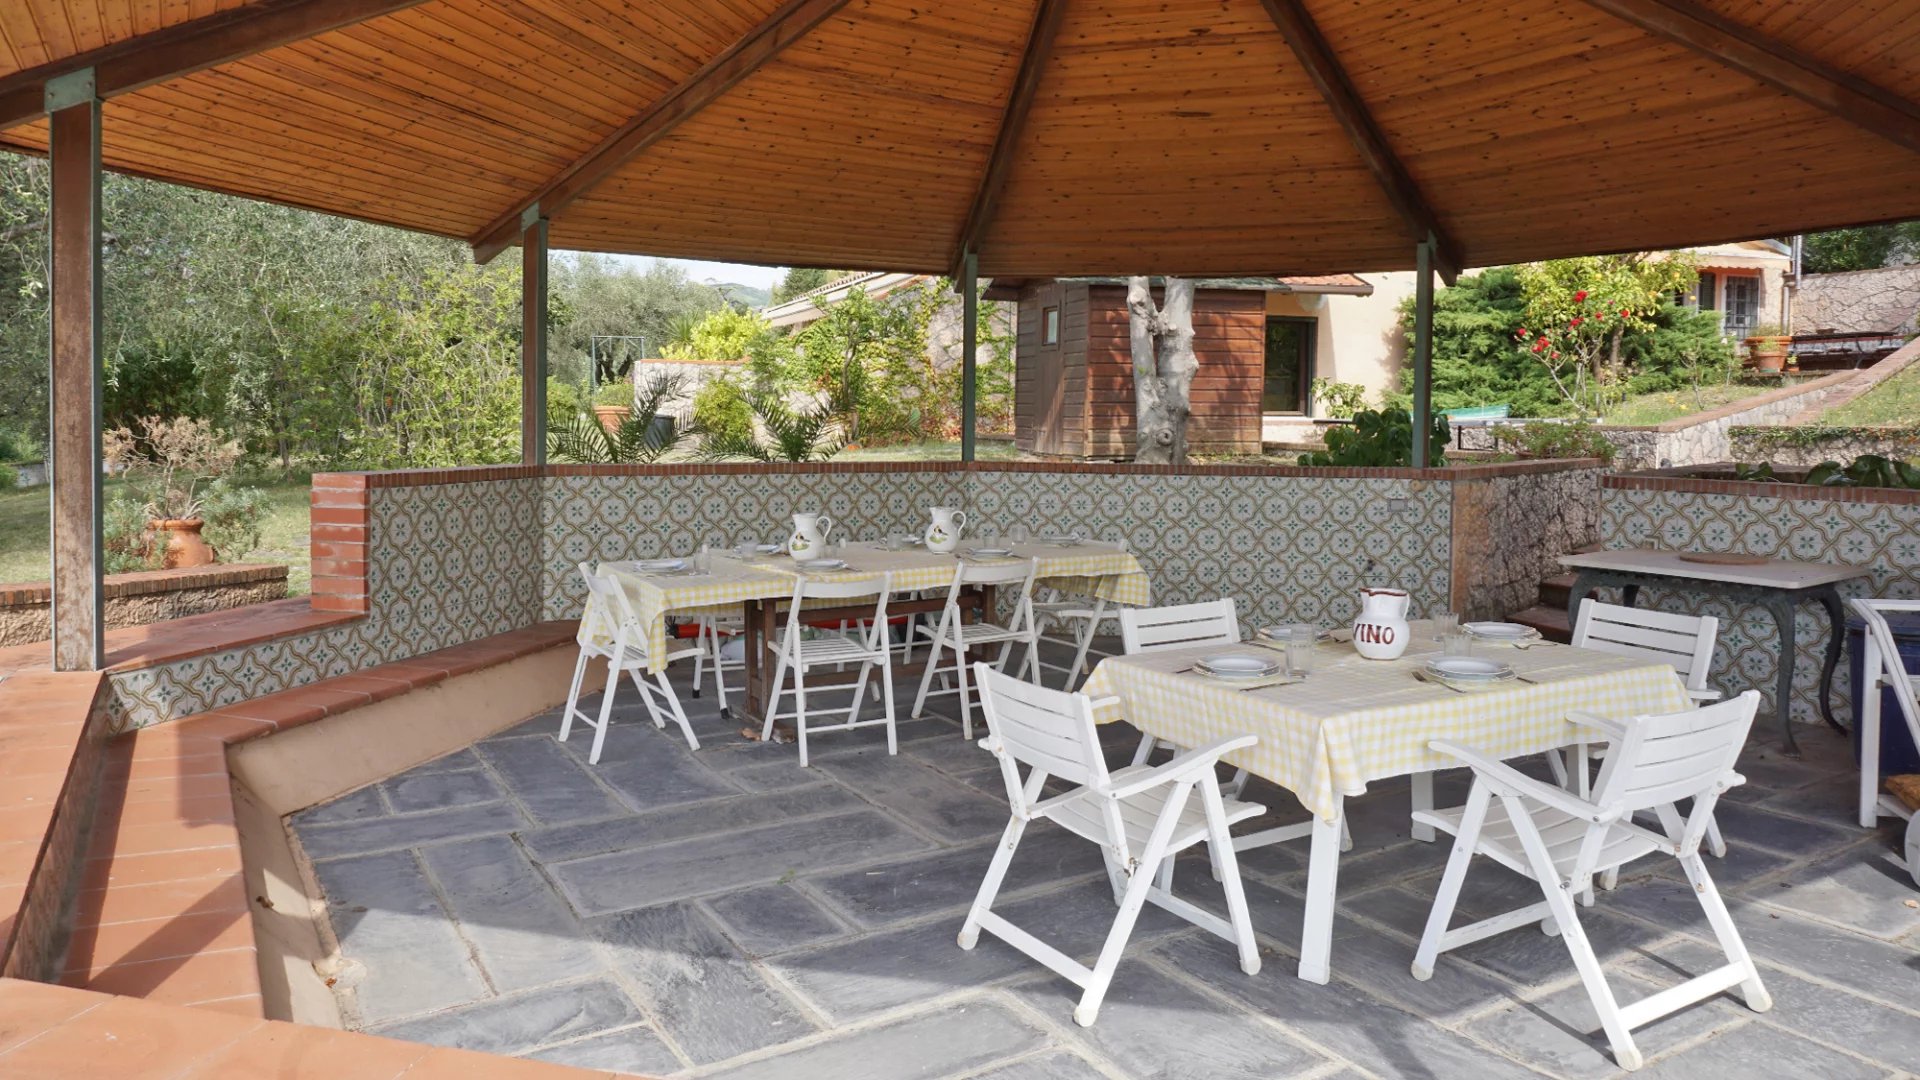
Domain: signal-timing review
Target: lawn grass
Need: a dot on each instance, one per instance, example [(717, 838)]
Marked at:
[(984, 450), (1895, 402), (283, 533), (1658, 408)]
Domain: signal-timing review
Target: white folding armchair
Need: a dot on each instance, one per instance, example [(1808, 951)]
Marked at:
[(1140, 817), (1682, 642), (1562, 840), (1178, 626), (1883, 669), (711, 634), (954, 636), (1079, 616), (865, 646), (609, 628)]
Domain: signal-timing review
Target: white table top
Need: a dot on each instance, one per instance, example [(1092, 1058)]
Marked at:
[(1772, 574)]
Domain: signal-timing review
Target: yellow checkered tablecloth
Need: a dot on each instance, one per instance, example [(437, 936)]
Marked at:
[(1097, 569), (1354, 720)]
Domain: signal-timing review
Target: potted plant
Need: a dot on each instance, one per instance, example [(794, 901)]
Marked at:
[(1767, 348), (168, 461), (612, 404)]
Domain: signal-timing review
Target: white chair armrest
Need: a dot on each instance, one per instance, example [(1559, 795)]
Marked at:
[(1705, 695), (1613, 728), (1506, 777), (1108, 702), (1183, 765)]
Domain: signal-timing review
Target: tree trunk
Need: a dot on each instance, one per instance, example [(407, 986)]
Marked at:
[(1161, 342)]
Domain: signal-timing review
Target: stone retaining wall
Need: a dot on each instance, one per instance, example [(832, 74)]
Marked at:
[(1803, 447), (1706, 438), (145, 597)]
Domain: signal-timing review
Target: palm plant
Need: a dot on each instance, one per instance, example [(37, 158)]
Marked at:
[(781, 432), (643, 436)]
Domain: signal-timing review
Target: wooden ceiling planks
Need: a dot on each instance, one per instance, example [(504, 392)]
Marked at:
[(1180, 136)]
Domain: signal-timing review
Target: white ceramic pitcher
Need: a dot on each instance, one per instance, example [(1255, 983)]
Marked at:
[(943, 535), (809, 539), (1381, 633)]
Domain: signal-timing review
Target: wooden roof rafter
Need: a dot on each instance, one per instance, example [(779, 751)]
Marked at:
[(1330, 78), (184, 48), (790, 22), (1775, 63), (1033, 63)]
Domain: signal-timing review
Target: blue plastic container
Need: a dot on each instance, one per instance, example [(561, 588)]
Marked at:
[(1898, 755)]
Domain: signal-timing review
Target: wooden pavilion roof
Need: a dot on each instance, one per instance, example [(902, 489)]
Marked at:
[(1059, 137)]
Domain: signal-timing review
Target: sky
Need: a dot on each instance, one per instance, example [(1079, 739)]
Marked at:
[(762, 277)]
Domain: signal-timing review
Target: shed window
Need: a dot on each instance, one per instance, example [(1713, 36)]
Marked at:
[(1050, 326)]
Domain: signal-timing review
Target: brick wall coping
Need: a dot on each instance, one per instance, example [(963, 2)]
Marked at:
[(1735, 408), (145, 582), (43, 729), (1688, 479), (132, 648)]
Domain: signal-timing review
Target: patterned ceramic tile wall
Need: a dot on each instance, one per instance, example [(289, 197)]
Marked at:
[(589, 518), (1883, 536), (1287, 548), (446, 564)]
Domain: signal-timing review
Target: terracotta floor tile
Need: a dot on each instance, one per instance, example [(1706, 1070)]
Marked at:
[(167, 768), (249, 1005), (441, 1063), (26, 824), (229, 728), (21, 792), (277, 1049), (97, 948), (40, 737), (208, 976), (137, 837), (45, 760), (370, 684), (171, 788), (121, 869), (278, 710), (16, 860), (28, 1009), (125, 1040), (414, 674), (132, 903)]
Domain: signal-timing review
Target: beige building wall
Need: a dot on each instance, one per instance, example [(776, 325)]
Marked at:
[(1358, 337)]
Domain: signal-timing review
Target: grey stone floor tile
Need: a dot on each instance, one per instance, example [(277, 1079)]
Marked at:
[(1151, 1024), (1053, 1065), (355, 806), (936, 803), (672, 778), (1560, 1034), (708, 998), (1865, 888), (385, 915), (1370, 1033), (522, 934), (553, 786), (518, 1022), (1741, 867), (725, 814), (412, 792), (943, 1042), (458, 761), (771, 775), (1758, 1052), (774, 919), (625, 1050), (1784, 833), (1398, 864), (644, 877), (922, 885), (409, 830), (1532, 958)]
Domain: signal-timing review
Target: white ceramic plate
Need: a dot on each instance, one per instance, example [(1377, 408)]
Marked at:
[(1278, 635), (1238, 666), (770, 549), (660, 566), (1468, 668), (1060, 539), (1498, 629), (992, 553), (822, 564)]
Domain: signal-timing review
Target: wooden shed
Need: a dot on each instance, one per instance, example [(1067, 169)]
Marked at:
[(1073, 393)]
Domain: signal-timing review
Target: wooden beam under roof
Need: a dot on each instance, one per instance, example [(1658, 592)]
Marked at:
[(184, 48), (1033, 62), (791, 21), (1775, 63), (1317, 60)]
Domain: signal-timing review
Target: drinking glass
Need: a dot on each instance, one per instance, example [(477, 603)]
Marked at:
[(700, 559), (1444, 623), (1456, 642), (1020, 533), (1300, 642)]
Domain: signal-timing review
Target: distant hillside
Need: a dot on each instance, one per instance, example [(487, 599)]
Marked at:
[(750, 295)]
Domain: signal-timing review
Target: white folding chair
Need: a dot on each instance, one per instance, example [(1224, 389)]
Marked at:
[(1562, 840), (1883, 669), (610, 628), (1080, 617), (1682, 642), (1140, 817), (955, 636), (1179, 626), (865, 646), (711, 635)]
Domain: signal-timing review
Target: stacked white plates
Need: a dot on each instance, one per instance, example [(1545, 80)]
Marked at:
[(992, 553), (816, 565), (660, 566), (1504, 633), (1468, 673), (1060, 539), (1239, 666), (770, 549)]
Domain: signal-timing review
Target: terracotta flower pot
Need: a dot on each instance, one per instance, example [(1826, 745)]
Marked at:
[(612, 416), (185, 547), (1768, 353)]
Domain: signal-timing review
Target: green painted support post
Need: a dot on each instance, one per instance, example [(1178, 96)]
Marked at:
[(969, 345), (533, 337), (1423, 352)]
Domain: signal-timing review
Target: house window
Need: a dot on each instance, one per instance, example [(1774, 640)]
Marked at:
[(1741, 304), (1050, 326), (1289, 364), (1706, 292)]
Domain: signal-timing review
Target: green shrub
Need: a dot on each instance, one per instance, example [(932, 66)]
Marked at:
[(9, 478), (1578, 440), (564, 400), (126, 545), (721, 410), (1381, 439), (232, 514), (1341, 399), (614, 393)]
